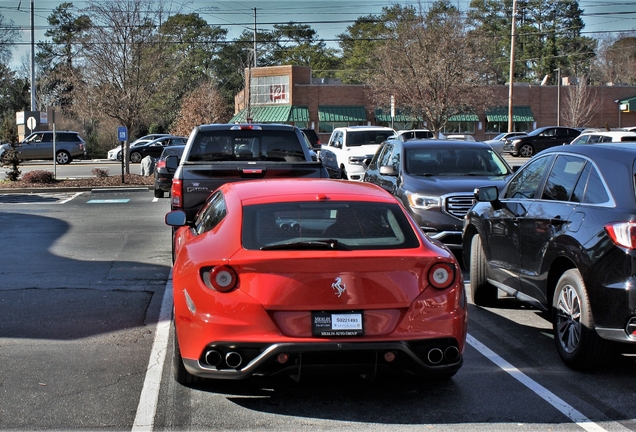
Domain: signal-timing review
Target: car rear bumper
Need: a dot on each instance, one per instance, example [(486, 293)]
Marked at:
[(219, 360)]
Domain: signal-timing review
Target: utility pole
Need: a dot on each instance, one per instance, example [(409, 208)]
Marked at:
[(255, 37), (513, 33), (33, 104), (558, 71)]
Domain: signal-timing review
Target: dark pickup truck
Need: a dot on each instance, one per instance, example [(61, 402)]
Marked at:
[(220, 153)]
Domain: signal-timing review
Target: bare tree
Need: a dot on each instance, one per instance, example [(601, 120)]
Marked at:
[(433, 68), (616, 59), (123, 61), (580, 103), (203, 106)]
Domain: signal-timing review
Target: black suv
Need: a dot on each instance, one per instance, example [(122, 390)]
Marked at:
[(561, 236), (435, 180), (539, 139)]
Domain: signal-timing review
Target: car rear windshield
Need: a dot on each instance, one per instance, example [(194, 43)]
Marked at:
[(246, 145), (449, 161), (333, 225)]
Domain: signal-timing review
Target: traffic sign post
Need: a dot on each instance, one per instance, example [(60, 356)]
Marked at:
[(122, 136)]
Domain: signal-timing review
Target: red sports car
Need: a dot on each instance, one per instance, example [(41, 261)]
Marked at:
[(289, 275)]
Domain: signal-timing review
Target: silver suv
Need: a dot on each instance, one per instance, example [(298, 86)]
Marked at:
[(39, 145)]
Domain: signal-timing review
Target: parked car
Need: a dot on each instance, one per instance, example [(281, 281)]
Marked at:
[(155, 147), (604, 136), (348, 147), (414, 134), (275, 276), (115, 154), (39, 145), (460, 137), (561, 236), (313, 138), (435, 180), (163, 174), (498, 142), (539, 139)]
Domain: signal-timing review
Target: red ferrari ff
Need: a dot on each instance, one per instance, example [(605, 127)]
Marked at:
[(291, 275)]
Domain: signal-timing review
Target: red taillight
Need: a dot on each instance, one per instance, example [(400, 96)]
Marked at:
[(161, 163), (176, 192), (221, 278), (622, 234), (441, 275)]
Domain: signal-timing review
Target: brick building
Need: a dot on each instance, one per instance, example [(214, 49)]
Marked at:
[(289, 94)]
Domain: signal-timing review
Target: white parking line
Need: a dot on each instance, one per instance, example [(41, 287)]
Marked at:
[(558, 403), (147, 408)]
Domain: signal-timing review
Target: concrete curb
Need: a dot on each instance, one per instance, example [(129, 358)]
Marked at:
[(105, 189)]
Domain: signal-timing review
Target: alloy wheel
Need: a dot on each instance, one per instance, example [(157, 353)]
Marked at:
[(568, 319)]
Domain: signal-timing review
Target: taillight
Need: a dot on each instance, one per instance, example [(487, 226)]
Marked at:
[(441, 275), (622, 234), (176, 193), (221, 278), (161, 163)]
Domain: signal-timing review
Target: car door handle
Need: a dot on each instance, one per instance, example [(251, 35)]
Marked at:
[(557, 220)]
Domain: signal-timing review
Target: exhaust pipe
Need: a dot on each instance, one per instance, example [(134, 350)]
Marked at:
[(451, 354), (213, 358), (435, 356), (233, 359)]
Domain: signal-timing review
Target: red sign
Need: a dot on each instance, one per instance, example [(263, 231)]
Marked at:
[(277, 93)]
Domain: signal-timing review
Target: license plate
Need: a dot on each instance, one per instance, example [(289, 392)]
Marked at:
[(340, 323)]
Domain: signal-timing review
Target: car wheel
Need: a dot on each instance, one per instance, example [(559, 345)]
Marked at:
[(135, 157), (159, 193), (483, 293), (119, 156), (63, 157), (526, 150), (181, 375), (577, 343)]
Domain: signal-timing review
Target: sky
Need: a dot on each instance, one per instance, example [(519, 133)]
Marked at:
[(328, 17)]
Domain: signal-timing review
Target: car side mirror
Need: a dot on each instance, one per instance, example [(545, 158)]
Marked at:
[(487, 194), (388, 170), (176, 218), (172, 163)]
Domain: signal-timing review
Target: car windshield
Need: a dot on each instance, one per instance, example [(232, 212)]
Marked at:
[(359, 138), (330, 225), (450, 161), (499, 137)]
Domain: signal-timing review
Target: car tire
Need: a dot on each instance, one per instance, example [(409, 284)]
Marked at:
[(135, 157), (181, 375), (119, 156), (526, 150), (159, 193), (483, 293), (577, 343), (63, 157)]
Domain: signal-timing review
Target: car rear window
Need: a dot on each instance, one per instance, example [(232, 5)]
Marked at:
[(315, 225), (358, 138), (246, 145)]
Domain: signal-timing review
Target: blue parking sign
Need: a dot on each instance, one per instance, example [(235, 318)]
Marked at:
[(122, 133)]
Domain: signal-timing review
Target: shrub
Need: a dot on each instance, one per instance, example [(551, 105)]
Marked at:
[(10, 159), (100, 173), (38, 176)]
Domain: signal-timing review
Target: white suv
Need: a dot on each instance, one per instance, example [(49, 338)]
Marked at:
[(604, 136), (348, 147)]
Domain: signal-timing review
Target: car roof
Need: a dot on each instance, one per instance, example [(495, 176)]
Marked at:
[(168, 137), (232, 126), (276, 190), (353, 128), (611, 151), (432, 143), (609, 133)]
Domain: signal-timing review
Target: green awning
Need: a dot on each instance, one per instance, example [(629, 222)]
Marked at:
[(342, 114), (629, 104), (465, 117), (383, 116), (273, 114), (519, 114)]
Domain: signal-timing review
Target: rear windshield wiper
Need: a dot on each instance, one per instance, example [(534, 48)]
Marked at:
[(330, 244)]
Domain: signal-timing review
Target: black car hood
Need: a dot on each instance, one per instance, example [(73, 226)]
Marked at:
[(441, 185)]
